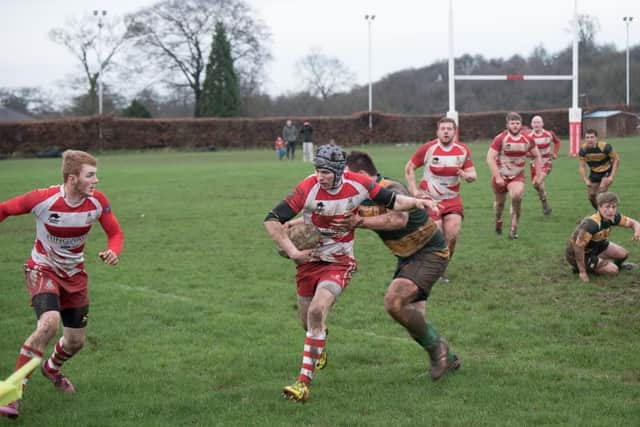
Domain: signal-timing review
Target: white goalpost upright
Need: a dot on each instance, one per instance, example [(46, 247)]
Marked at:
[(575, 113)]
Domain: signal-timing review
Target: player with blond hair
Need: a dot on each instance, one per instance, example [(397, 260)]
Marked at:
[(54, 273)]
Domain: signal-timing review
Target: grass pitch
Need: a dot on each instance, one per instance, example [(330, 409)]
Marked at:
[(198, 325)]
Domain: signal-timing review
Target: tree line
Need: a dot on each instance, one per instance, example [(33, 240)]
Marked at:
[(198, 58)]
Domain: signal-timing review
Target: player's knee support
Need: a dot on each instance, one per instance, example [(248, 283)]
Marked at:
[(75, 317), (42, 303), (332, 287)]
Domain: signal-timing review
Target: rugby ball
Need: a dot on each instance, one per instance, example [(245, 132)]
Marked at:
[(303, 236)]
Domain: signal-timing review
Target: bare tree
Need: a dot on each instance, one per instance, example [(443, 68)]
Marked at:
[(28, 100), (175, 38), (588, 27), (323, 75), (93, 46)]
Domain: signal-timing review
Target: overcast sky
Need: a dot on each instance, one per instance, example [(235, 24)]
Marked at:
[(405, 33)]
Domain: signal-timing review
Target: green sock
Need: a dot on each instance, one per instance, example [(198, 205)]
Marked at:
[(619, 262), (430, 337)]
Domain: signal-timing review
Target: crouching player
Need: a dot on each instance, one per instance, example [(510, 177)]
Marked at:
[(589, 249)]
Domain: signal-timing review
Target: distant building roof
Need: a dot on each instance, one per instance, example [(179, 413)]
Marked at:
[(604, 114), (9, 115)]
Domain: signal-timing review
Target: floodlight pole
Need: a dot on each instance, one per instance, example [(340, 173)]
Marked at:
[(100, 14), (627, 20), (369, 19), (452, 113)]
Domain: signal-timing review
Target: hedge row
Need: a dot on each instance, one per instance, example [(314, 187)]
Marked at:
[(114, 133)]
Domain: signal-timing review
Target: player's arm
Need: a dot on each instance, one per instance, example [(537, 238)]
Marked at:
[(391, 220), (398, 202), (410, 176), (492, 156), (115, 238), (579, 246), (274, 221), (634, 225), (19, 205), (537, 161), (583, 170), (468, 174), (556, 144), (615, 160)]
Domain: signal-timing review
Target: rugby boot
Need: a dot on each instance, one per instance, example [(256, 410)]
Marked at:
[(59, 381), (513, 234), (444, 279), (499, 227), (441, 360), (546, 209), (298, 391), (628, 266), (322, 360), (11, 410)]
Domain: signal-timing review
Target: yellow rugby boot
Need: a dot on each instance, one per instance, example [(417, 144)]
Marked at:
[(322, 360), (297, 391)]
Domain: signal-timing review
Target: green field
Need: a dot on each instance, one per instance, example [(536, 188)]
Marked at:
[(198, 325)]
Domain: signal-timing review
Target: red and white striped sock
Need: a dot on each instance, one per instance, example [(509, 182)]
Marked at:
[(313, 346), (26, 354), (57, 359)]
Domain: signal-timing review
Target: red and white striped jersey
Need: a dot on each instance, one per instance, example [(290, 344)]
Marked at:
[(62, 229), (320, 207), (512, 152), (543, 141), (440, 180)]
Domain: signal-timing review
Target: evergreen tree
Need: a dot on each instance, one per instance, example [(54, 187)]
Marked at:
[(136, 110), (220, 91)]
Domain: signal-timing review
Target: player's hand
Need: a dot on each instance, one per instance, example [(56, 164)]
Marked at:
[(554, 155), (109, 257), (584, 277), (301, 257), (500, 181), (428, 204), (606, 181), (636, 236), (346, 223), (538, 180), (462, 174)]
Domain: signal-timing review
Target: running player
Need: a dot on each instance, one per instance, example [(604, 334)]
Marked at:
[(323, 273), (543, 139), (506, 158), (55, 276)]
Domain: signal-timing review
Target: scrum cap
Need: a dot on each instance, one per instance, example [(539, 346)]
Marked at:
[(330, 157)]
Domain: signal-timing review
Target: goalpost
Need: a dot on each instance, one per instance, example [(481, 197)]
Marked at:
[(575, 113)]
